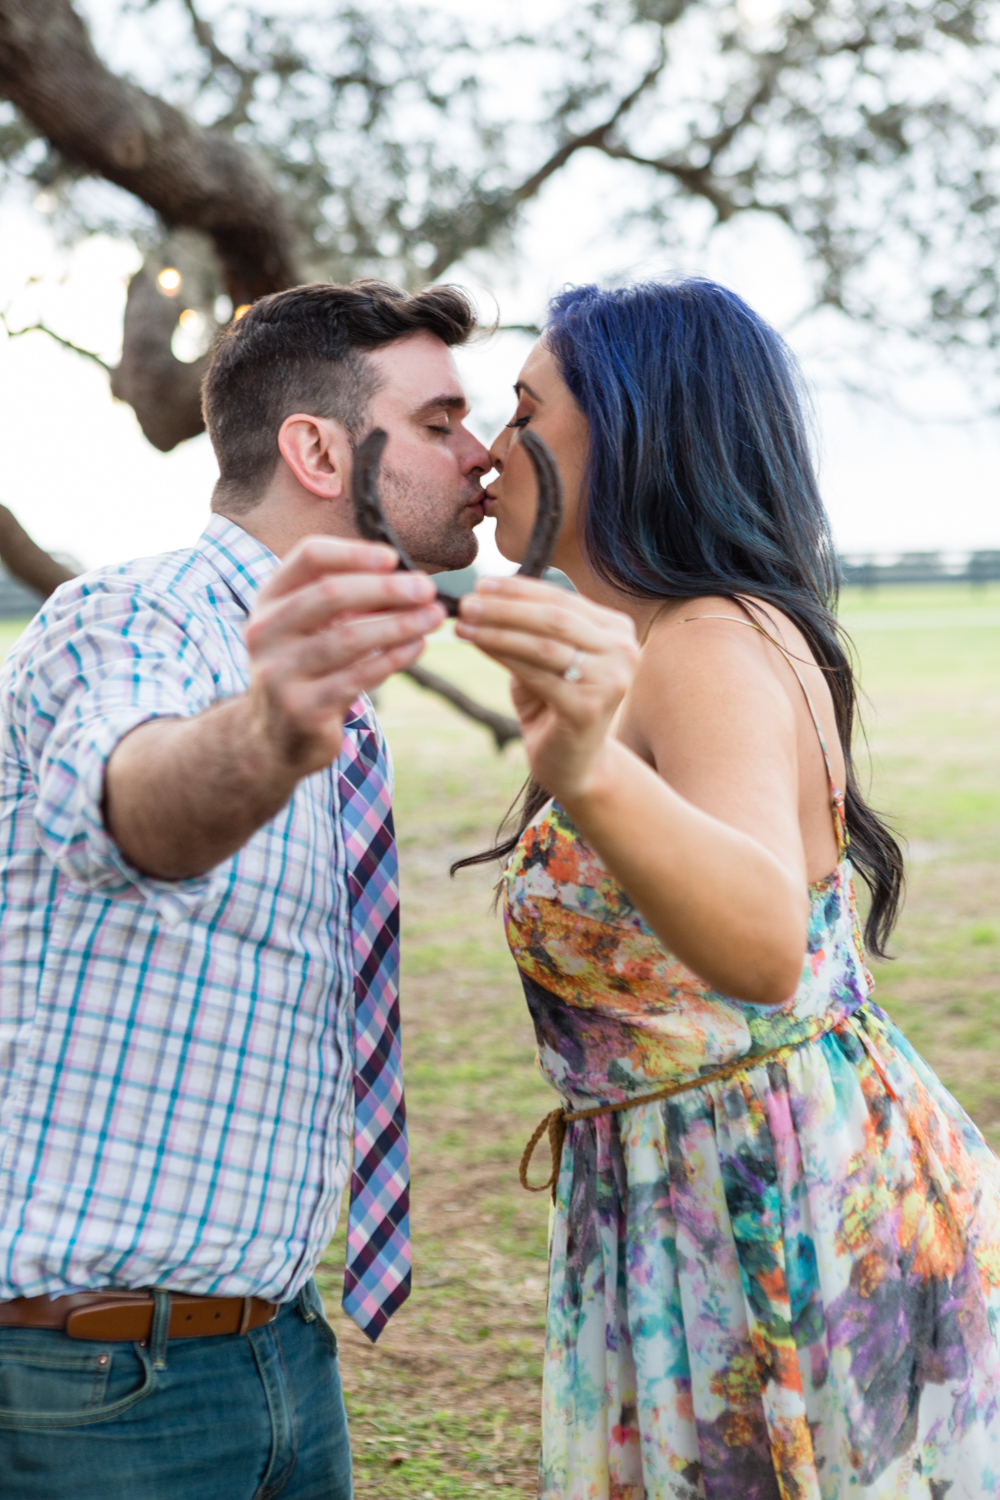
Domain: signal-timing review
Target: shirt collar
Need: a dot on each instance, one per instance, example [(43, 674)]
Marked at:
[(243, 563)]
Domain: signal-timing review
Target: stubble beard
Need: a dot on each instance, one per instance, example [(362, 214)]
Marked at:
[(434, 538)]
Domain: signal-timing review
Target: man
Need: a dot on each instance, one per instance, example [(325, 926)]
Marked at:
[(198, 930)]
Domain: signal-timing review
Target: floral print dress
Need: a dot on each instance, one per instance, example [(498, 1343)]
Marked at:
[(782, 1284)]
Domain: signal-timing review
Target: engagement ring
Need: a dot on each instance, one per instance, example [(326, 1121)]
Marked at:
[(572, 672)]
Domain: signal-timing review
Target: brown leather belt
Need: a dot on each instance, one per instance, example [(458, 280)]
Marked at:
[(123, 1316)]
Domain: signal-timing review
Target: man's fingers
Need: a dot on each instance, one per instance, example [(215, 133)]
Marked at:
[(335, 692), (350, 641), (373, 670), (318, 603), (316, 555)]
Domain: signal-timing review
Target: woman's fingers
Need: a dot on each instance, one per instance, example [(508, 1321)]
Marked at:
[(544, 620), (597, 654), (539, 632), (528, 607), (535, 588), (542, 665), (548, 687), (540, 651)]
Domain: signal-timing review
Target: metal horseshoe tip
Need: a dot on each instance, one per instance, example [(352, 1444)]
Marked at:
[(374, 527)]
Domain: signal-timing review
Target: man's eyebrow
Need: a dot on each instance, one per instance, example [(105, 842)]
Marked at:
[(522, 385), (439, 403)]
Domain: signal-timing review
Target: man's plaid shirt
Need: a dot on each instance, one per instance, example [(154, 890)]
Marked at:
[(176, 1058)]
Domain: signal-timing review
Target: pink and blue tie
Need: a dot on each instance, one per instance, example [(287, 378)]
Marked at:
[(377, 1272)]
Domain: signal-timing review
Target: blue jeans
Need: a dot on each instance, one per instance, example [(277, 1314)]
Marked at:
[(224, 1418)]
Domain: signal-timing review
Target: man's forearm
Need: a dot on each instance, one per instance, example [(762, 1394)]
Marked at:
[(181, 795)]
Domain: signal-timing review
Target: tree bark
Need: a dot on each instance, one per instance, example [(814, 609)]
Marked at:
[(164, 393), (190, 176), (26, 560)]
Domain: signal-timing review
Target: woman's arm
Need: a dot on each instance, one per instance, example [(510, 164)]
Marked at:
[(711, 857)]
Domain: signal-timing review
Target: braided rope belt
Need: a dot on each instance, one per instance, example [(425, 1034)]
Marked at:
[(556, 1121)]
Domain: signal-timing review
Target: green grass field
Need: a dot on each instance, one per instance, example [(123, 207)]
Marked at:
[(446, 1404), (931, 670)]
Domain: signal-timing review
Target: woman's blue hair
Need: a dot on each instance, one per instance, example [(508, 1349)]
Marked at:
[(700, 477), (700, 481)]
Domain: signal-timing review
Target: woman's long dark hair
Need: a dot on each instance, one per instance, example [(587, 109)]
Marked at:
[(700, 481)]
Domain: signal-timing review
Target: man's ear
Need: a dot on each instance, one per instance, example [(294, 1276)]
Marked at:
[(318, 452)]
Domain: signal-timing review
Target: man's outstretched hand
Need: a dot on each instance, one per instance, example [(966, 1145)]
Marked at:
[(334, 620)]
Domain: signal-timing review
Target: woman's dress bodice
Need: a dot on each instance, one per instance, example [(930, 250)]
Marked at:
[(615, 1014)]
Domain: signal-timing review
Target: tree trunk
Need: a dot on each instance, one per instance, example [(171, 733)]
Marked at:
[(164, 393)]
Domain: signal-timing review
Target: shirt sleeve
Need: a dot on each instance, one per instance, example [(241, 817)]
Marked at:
[(100, 659)]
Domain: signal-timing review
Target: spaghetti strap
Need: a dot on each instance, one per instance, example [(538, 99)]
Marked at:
[(836, 796)]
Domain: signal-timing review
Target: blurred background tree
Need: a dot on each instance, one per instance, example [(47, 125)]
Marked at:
[(245, 149)]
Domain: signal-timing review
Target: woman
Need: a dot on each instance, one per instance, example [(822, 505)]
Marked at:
[(780, 1274)]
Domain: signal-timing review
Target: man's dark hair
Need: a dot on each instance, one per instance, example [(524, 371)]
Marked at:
[(304, 350)]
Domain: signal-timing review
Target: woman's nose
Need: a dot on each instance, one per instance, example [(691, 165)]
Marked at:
[(498, 451)]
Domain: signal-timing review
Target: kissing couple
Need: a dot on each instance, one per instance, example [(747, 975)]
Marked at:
[(775, 1237)]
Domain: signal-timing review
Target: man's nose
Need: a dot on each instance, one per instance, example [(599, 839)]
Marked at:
[(477, 460)]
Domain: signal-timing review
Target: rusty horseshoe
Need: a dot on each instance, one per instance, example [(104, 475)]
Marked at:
[(374, 527)]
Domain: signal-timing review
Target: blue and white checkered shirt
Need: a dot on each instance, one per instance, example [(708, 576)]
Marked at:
[(176, 1058)]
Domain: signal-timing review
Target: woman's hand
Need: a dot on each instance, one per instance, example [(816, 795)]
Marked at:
[(539, 633), (720, 876)]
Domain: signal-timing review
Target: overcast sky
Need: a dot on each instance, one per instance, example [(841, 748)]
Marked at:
[(77, 471)]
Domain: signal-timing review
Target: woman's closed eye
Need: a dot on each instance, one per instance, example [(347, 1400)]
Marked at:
[(519, 422)]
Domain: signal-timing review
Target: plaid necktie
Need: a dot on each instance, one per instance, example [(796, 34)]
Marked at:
[(377, 1273)]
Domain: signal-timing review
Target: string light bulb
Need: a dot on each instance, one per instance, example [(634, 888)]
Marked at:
[(244, 307), (169, 281), (191, 319)]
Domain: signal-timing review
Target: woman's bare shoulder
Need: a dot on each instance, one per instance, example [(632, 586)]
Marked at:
[(758, 623), (712, 667), (702, 668), (691, 636)]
